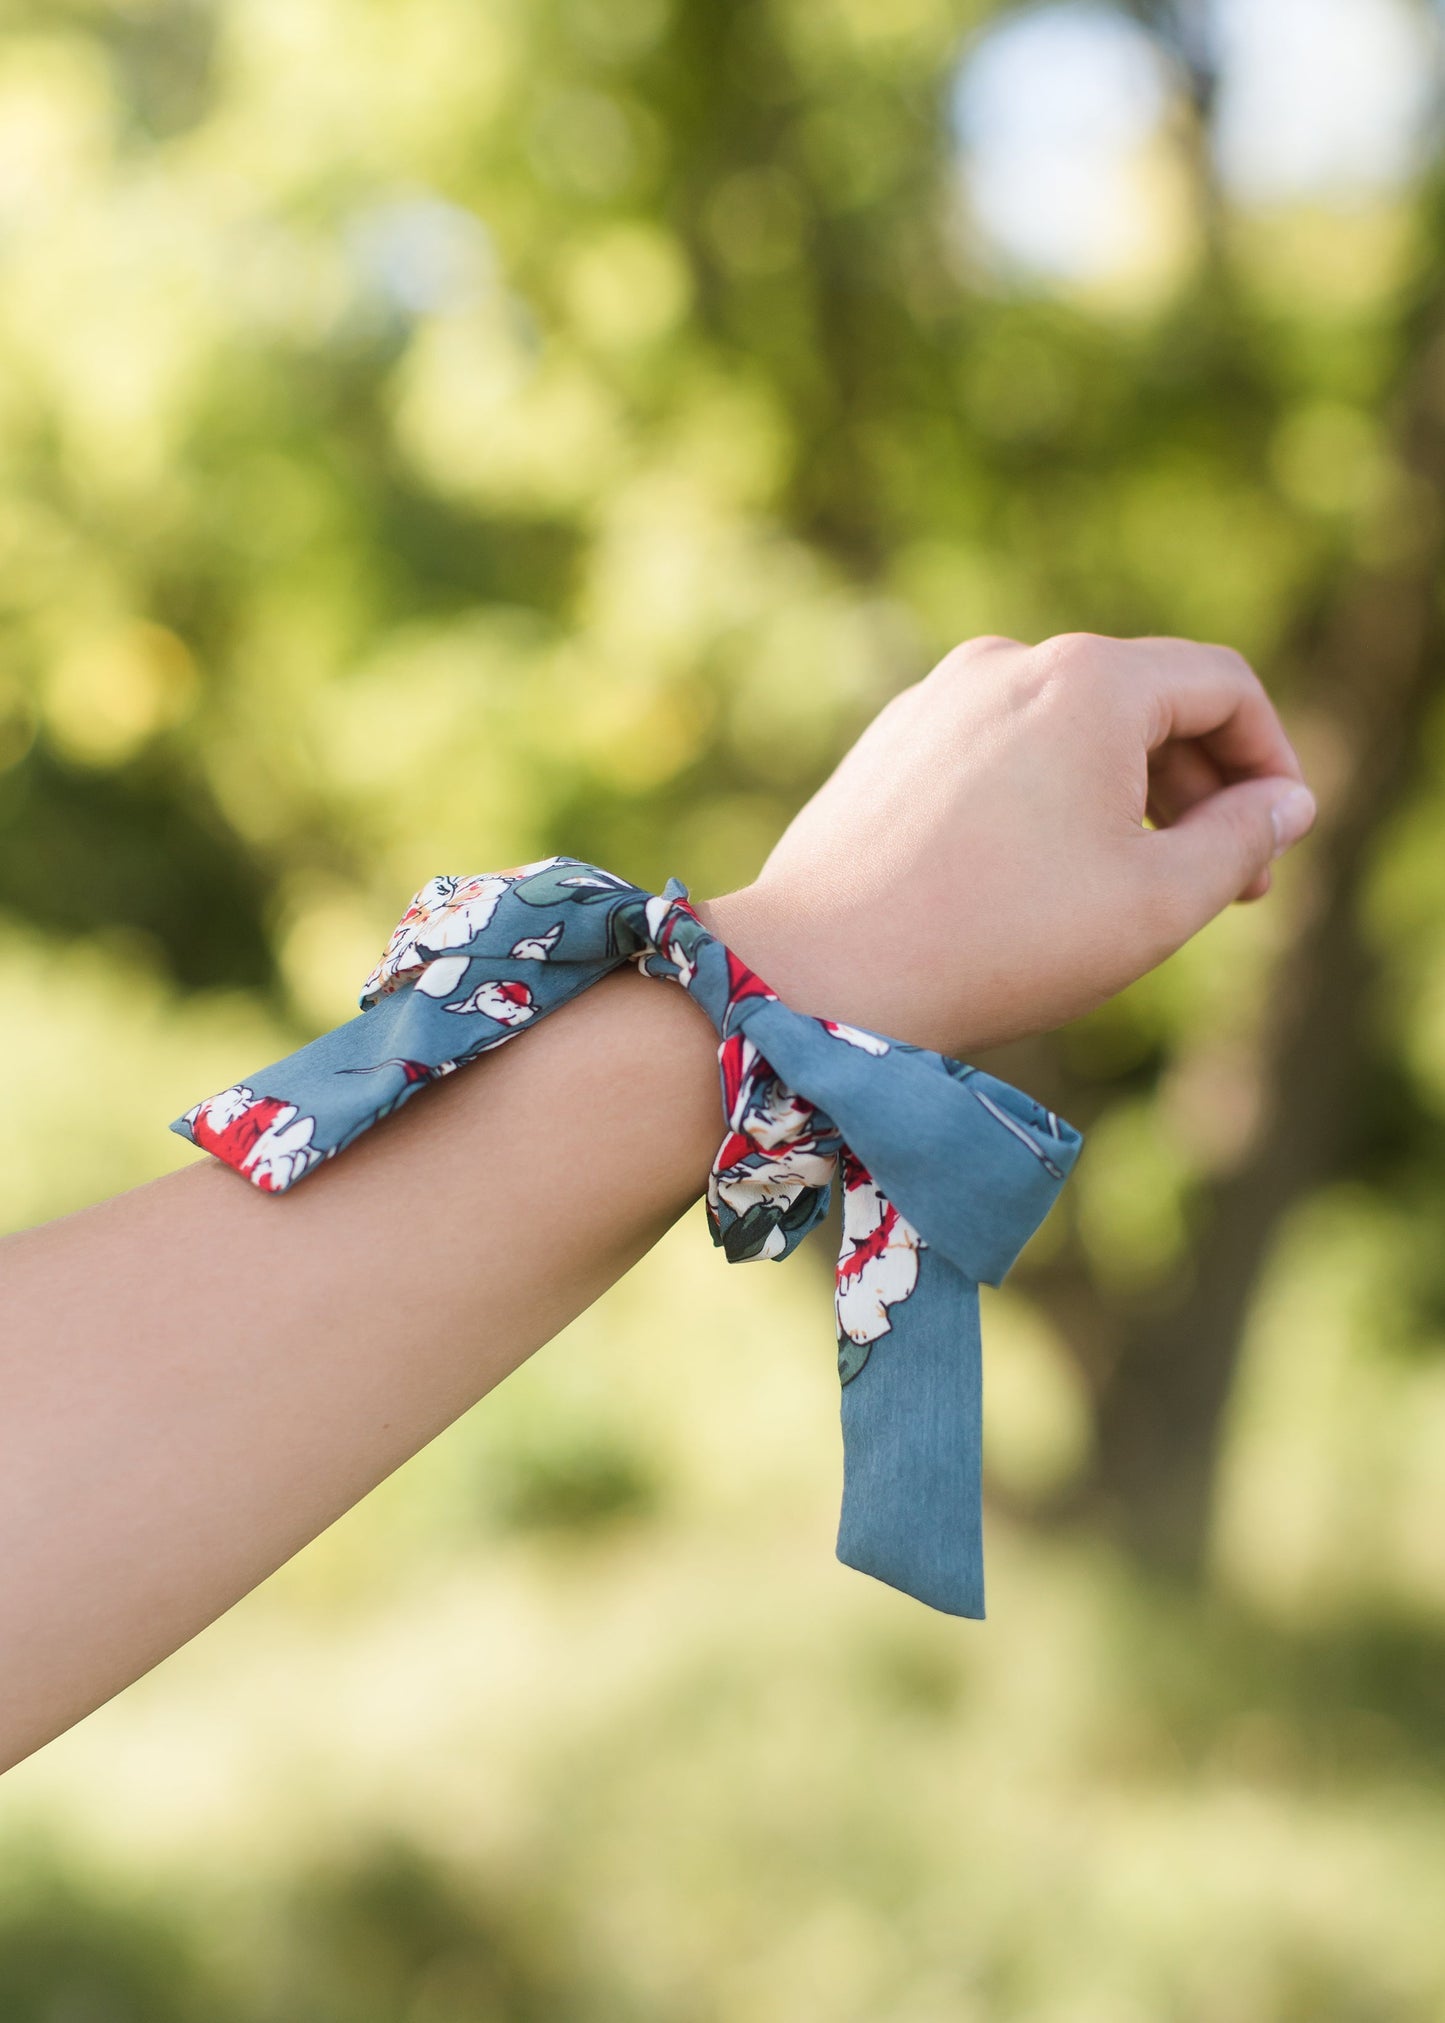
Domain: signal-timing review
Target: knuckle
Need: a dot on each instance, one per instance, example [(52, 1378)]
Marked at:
[(1074, 646), (1235, 663), (1074, 656), (959, 660), (985, 642), (1074, 669)]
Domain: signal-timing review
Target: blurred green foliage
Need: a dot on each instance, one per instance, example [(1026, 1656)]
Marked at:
[(433, 435)]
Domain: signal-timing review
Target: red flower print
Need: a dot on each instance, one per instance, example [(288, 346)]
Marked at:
[(774, 1183), (878, 1262), (666, 919), (510, 1004), (743, 982), (737, 1060), (772, 1154), (267, 1140)]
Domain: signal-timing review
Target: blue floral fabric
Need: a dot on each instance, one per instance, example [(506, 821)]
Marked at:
[(945, 1171)]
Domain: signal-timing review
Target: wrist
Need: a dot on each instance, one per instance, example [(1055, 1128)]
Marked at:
[(810, 960), (765, 933), (857, 966)]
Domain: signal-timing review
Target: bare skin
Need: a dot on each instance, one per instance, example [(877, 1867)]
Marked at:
[(198, 1378), (976, 868)]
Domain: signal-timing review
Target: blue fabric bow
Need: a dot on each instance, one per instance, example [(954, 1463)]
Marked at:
[(946, 1171)]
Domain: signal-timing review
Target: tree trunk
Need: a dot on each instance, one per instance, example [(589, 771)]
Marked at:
[(1163, 1368)]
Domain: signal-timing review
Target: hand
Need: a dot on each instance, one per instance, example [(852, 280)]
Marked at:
[(977, 868)]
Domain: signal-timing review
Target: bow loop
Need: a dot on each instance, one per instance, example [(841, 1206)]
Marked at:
[(771, 1180), (928, 1130)]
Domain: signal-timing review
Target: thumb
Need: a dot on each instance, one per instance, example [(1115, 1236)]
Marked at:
[(1216, 850)]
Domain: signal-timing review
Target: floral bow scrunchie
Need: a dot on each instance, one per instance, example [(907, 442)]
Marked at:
[(946, 1171)]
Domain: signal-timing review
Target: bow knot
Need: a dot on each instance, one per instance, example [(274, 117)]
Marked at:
[(945, 1171)]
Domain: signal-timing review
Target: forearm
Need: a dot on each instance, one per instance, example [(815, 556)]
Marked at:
[(199, 1378)]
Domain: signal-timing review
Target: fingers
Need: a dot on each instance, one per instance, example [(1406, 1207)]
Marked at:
[(1225, 788), (1211, 693), (1180, 776), (1180, 773), (1197, 685), (1221, 848), (1185, 771)]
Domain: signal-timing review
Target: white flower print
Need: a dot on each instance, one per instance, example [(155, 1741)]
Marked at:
[(447, 912), (759, 1107), (776, 1184), (878, 1261), (441, 977), (465, 910), (218, 1113), (537, 947), (592, 881), (662, 923), (772, 1114), (267, 1140), (868, 1042), (282, 1155), (772, 1153), (510, 1004)]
